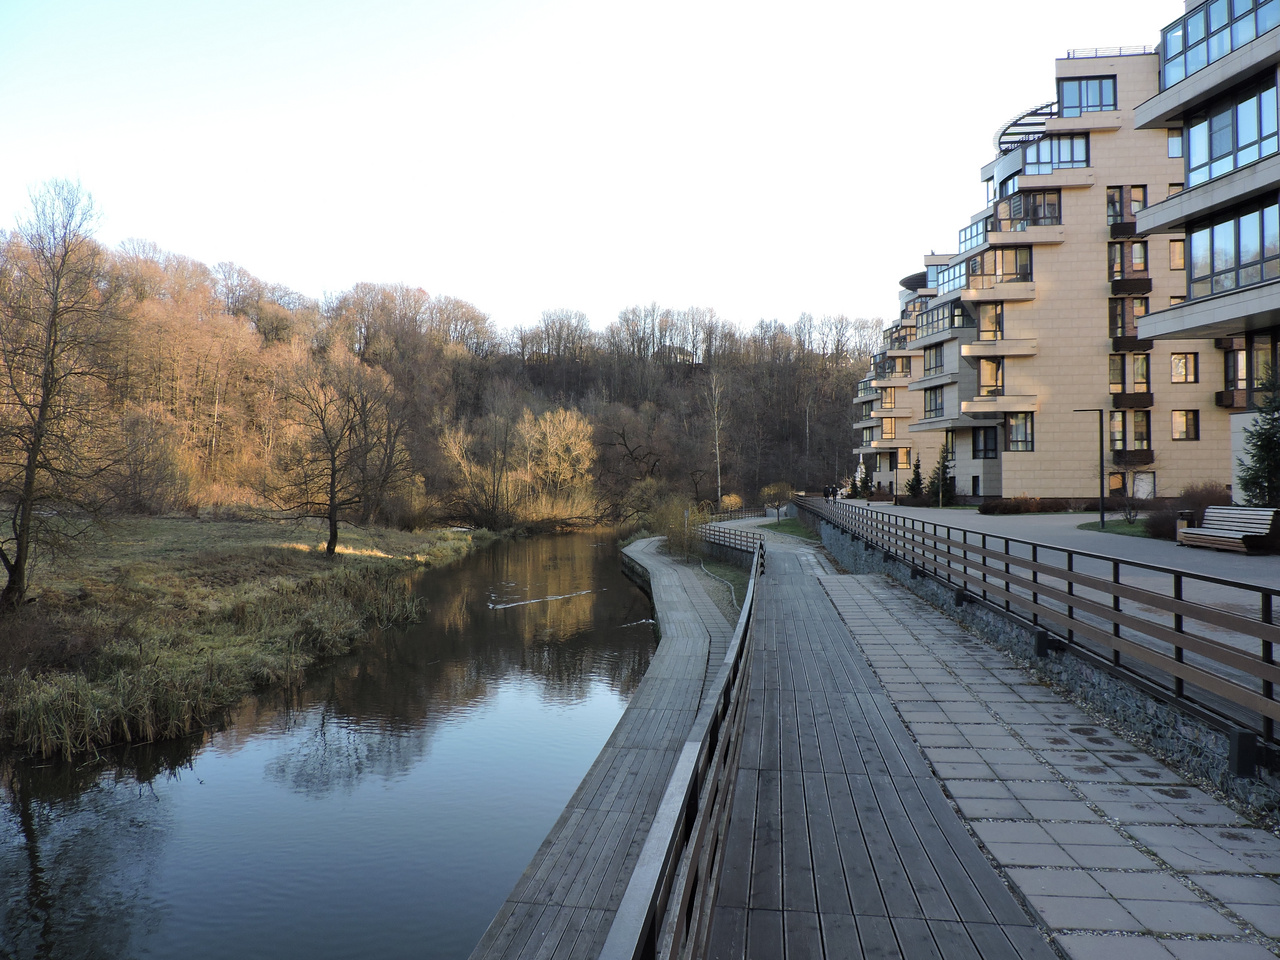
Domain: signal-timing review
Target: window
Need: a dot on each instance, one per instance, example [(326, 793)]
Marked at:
[(1117, 433), (1115, 485), (1086, 95), (1056, 152), (888, 429), (991, 377), (948, 444), (1005, 265), (1185, 368), (1232, 132), (933, 361), (1115, 317), (888, 397), (1028, 208), (991, 321), (904, 458), (984, 443), (946, 317), (1019, 431), (1235, 370), (1140, 307), (1115, 260), (1237, 252), (1209, 32), (1115, 204), (1137, 199), (1175, 143), (1115, 372), (1142, 373), (1177, 254), (1175, 188), (1144, 484), (1138, 253), (933, 403), (868, 436), (974, 235), (1142, 429), (1186, 424), (1175, 300)]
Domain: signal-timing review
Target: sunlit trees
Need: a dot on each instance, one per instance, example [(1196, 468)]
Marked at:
[(57, 312), (343, 453)]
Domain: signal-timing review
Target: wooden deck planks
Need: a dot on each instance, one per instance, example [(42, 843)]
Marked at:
[(841, 843)]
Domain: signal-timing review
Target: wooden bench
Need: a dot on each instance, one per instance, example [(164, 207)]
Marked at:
[(1234, 528)]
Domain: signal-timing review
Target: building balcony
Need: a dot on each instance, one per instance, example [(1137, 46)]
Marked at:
[(1049, 233), (1087, 122), (1129, 286), (1232, 399), (1000, 348), (1131, 401), (1133, 458), (1206, 199), (1131, 345), (935, 380), (891, 380), (1123, 229), (889, 444), (1165, 109), (1229, 314), (892, 413), (1014, 290), (904, 351), (1006, 403), (1065, 177)]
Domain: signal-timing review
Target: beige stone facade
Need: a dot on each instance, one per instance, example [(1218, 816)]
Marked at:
[(1036, 317)]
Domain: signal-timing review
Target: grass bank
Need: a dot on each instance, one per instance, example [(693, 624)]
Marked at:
[(164, 622), (793, 527)]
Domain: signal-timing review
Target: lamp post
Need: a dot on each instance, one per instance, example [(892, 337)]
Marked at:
[(1102, 463)]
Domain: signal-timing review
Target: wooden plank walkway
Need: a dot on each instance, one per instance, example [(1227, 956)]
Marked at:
[(841, 843), (564, 903)]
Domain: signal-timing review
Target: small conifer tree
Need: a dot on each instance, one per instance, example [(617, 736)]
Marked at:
[(1259, 470), (915, 486)]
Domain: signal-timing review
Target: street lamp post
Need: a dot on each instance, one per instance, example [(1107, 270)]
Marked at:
[(1102, 463)]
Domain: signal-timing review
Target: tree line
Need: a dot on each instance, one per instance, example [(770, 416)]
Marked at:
[(138, 380)]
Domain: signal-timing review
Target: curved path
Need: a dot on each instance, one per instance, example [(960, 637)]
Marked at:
[(565, 902)]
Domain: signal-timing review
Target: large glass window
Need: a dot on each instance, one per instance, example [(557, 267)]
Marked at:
[(1115, 204), (1056, 152), (952, 278), (991, 321), (948, 444), (1235, 370), (974, 235), (1029, 208), (1186, 425), (991, 377), (1235, 253), (946, 317), (1175, 143), (1086, 95), (904, 458), (1019, 431), (868, 436), (1232, 132), (1177, 254), (888, 397), (1117, 432), (1005, 265), (1210, 32), (984, 443), (888, 429), (933, 361), (1142, 429), (933, 403)]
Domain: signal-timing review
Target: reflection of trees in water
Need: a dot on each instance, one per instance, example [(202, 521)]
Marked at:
[(77, 843)]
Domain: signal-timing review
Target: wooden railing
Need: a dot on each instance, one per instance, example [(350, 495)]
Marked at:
[(1203, 642), (735, 538), (666, 909)]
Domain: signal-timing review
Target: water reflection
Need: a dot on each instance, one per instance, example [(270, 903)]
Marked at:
[(385, 807)]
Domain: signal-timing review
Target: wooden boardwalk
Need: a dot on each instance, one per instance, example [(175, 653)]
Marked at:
[(841, 842), (565, 902)]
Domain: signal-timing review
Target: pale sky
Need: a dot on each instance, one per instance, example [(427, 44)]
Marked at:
[(762, 159)]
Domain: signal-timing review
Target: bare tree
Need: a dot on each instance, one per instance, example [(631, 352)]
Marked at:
[(717, 415), (57, 304)]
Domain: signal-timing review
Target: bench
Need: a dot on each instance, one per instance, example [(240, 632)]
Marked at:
[(1234, 528)]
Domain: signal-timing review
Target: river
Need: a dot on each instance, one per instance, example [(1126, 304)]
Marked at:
[(385, 808)]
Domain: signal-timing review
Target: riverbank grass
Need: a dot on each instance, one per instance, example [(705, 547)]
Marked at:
[(792, 526), (163, 622)]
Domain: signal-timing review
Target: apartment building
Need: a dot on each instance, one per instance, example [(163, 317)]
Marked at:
[(1026, 351), (1216, 105)]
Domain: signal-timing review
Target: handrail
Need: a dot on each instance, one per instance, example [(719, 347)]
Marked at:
[(1103, 608), (733, 537), (666, 909)]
